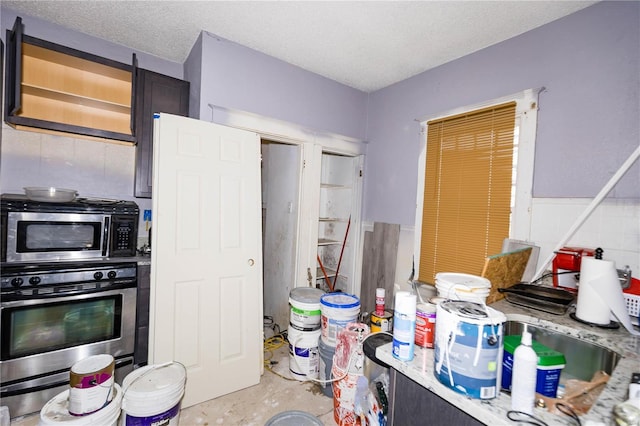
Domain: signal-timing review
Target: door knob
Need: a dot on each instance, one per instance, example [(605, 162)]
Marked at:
[(251, 262)]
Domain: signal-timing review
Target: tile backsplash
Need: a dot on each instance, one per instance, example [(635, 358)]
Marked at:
[(93, 168), (614, 226), (99, 169)]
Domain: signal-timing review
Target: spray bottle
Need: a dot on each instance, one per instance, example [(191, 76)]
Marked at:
[(525, 364)]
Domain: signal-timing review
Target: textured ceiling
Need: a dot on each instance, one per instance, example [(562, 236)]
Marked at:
[(366, 45)]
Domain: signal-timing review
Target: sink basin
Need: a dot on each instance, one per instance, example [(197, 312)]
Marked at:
[(583, 358)]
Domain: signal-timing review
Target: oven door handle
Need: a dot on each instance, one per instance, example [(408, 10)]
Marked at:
[(105, 236), (13, 300)]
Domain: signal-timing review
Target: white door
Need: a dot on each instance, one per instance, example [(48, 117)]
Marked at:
[(206, 264)]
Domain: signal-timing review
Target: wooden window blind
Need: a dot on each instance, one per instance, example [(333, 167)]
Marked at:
[(467, 191)]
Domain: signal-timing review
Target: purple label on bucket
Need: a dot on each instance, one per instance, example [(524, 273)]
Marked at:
[(93, 380), (156, 420)]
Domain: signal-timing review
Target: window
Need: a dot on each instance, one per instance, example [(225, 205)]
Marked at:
[(475, 190)]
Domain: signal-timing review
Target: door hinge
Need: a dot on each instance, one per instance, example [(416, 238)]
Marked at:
[(360, 172)]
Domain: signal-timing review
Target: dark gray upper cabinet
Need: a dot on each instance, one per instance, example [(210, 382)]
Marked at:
[(155, 93), (54, 88)]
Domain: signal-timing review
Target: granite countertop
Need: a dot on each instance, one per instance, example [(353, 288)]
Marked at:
[(494, 411)]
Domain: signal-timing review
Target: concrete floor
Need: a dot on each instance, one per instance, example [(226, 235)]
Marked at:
[(277, 392)]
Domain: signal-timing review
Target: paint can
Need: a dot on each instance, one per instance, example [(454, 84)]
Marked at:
[(152, 395), (425, 325), (91, 384), (304, 356), (468, 348), (382, 322), (338, 310), (305, 308), (56, 412)]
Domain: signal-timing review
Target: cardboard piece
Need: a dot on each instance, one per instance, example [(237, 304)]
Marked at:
[(505, 270), (509, 245)]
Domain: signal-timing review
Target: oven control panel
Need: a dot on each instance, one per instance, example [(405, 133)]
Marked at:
[(59, 278)]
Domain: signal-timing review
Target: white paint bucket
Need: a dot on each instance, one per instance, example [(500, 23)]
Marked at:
[(459, 286), (91, 384), (305, 308), (304, 355), (338, 310), (56, 412), (152, 395), (468, 348)]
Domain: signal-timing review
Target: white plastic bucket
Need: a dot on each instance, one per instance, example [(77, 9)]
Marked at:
[(152, 395), (459, 286), (305, 308), (91, 384), (56, 412), (304, 355), (468, 348), (338, 310)]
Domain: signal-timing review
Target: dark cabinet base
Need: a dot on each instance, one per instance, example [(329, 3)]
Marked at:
[(412, 404), (141, 354)]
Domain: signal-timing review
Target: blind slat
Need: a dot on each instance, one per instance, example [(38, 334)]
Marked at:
[(468, 189)]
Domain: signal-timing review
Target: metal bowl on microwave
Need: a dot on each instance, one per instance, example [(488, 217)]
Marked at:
[(50, 194)]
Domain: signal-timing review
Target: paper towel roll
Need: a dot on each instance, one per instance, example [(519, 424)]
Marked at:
[(600, 294), (595, 273)]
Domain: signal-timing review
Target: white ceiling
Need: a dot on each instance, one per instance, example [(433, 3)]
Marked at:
[(363, 44)]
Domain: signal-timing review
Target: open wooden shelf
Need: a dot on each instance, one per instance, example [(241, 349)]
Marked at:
[(65, 89), (58, 89)]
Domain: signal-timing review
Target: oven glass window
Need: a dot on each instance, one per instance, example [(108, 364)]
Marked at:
[(57, 236), (46, 327)]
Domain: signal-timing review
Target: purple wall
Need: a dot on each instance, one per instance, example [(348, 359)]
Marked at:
[(587, 124), (588, 121), (193, 74), (38, 28), (237, 77)]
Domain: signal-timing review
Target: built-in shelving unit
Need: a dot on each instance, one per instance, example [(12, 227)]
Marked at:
[(335, 249)]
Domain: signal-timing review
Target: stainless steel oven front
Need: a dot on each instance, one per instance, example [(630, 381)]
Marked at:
[(53, 315)]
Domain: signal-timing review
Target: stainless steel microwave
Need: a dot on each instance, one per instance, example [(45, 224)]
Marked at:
[(74, 230)]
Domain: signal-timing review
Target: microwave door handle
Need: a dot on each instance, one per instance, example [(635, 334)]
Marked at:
[(105, 237)]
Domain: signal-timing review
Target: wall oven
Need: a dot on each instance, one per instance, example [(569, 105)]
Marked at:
[(55, 314), (81, 229)]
